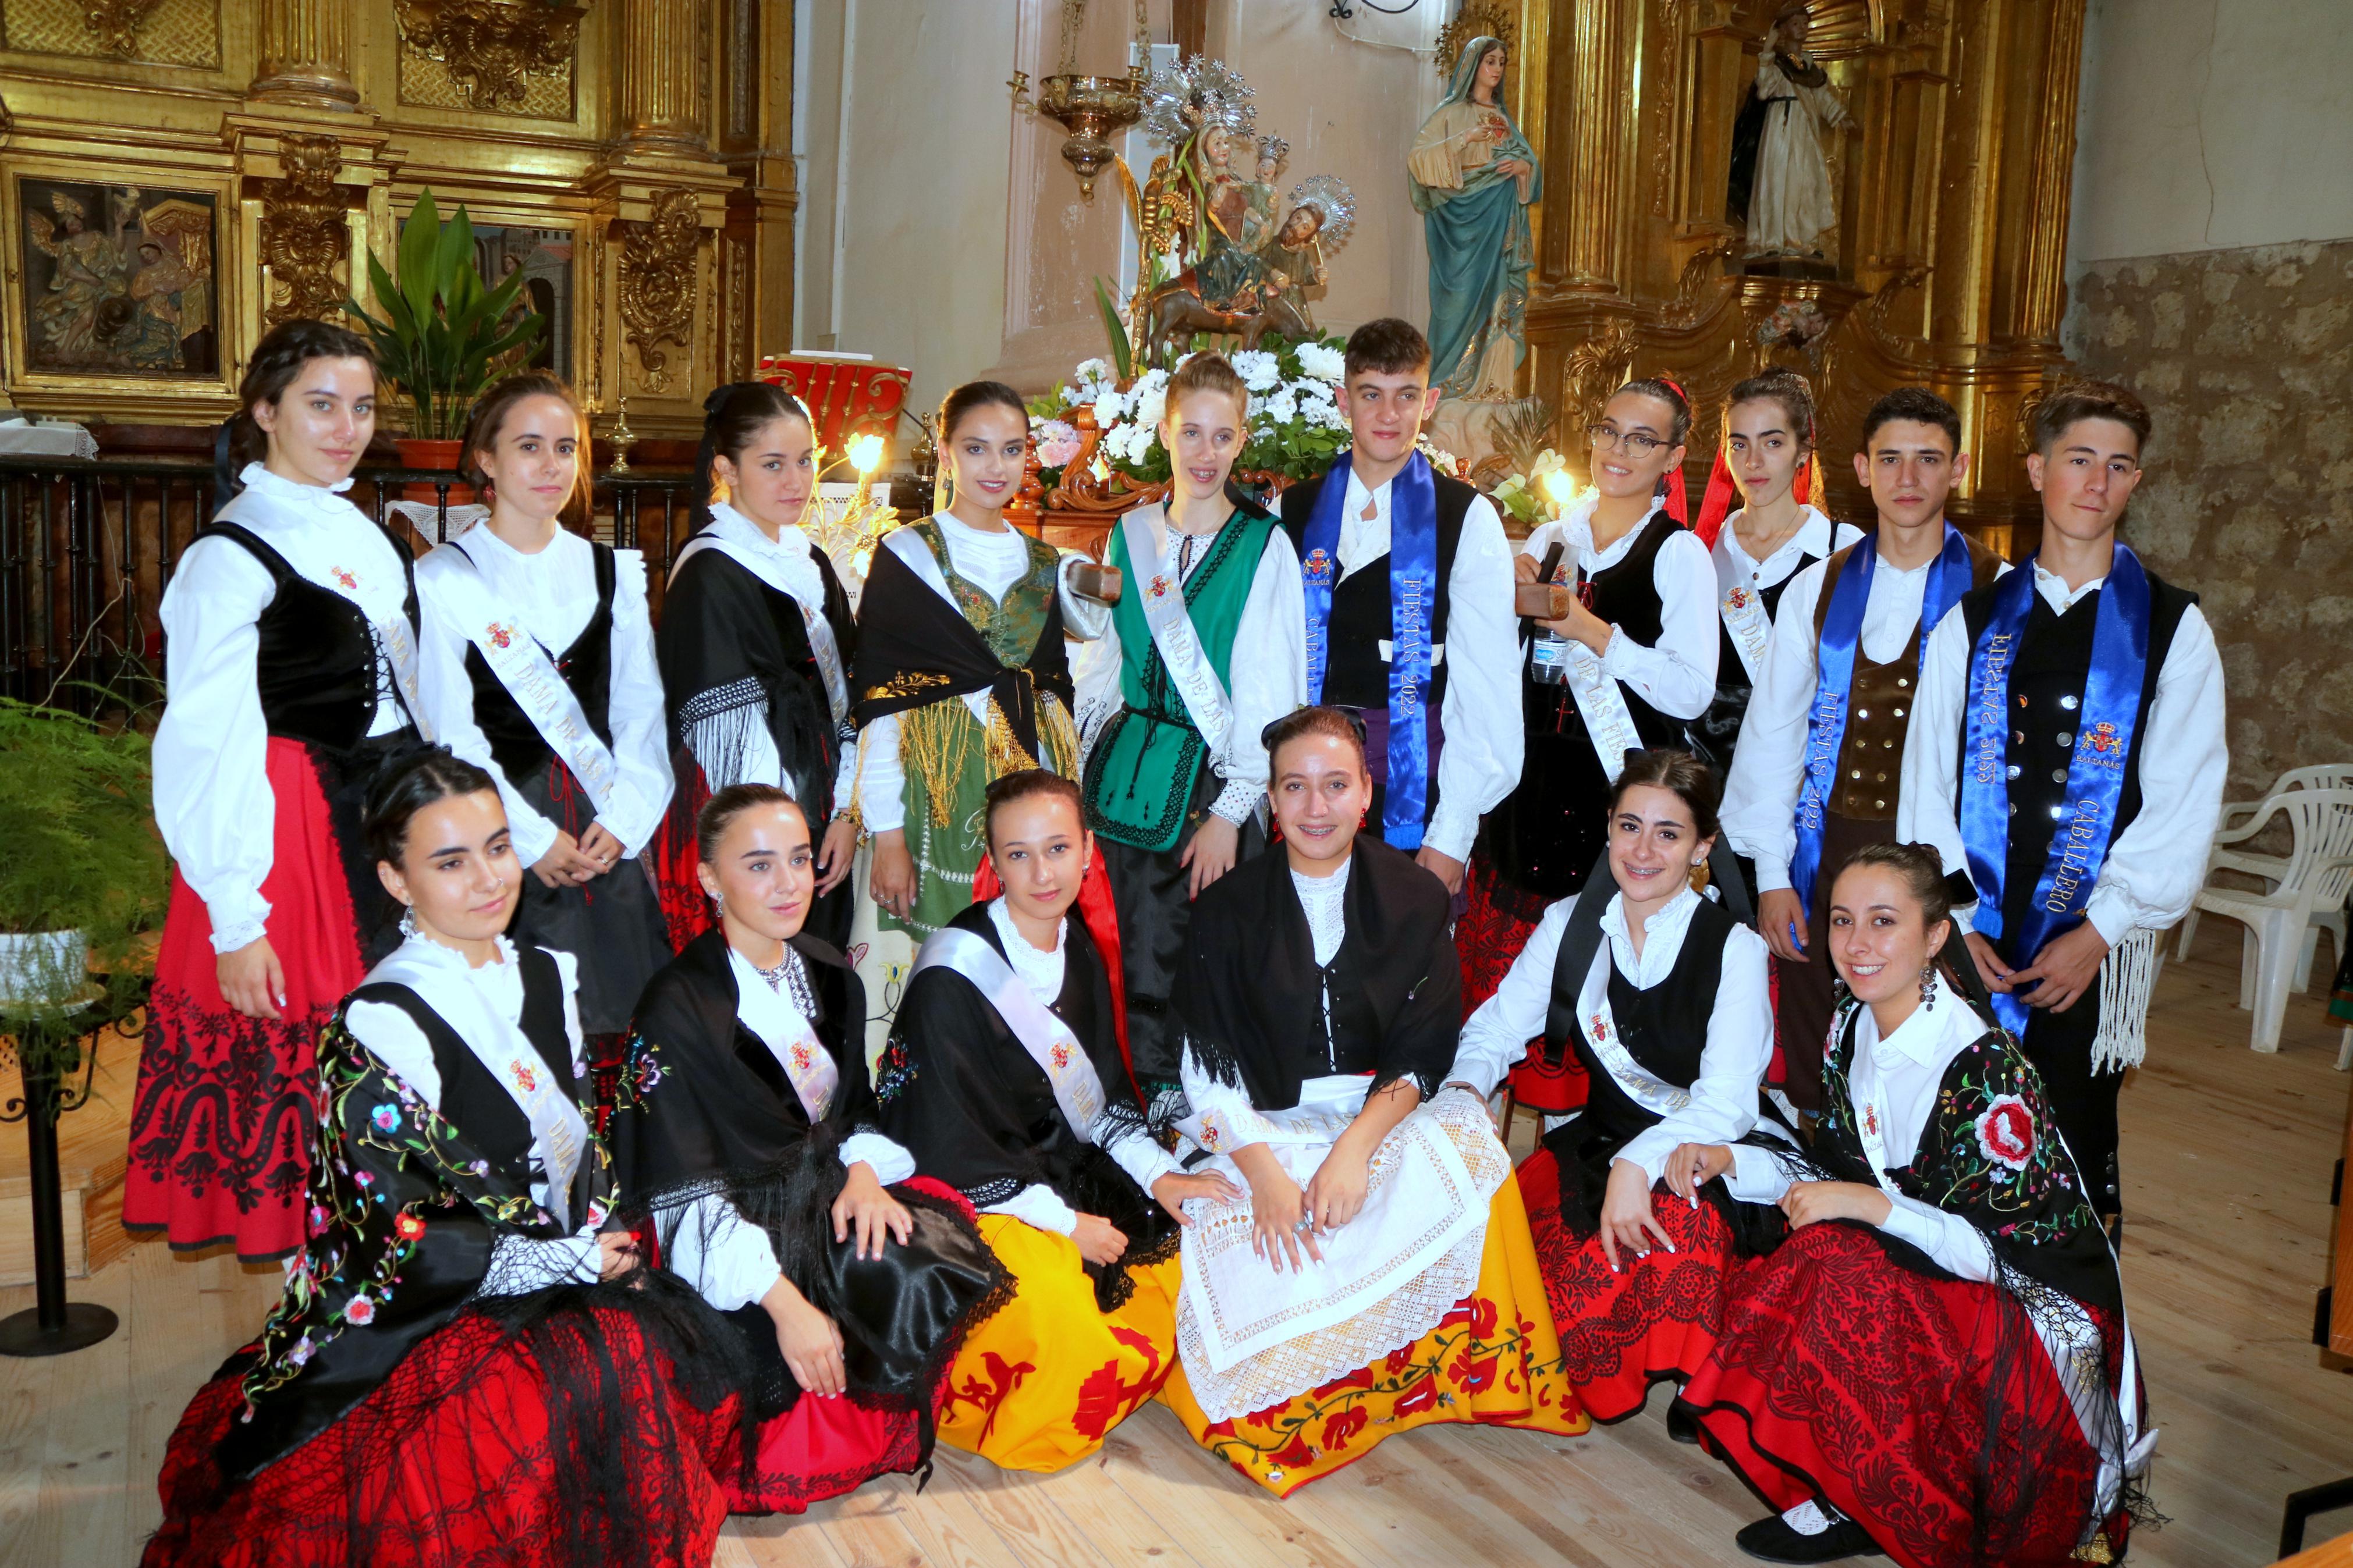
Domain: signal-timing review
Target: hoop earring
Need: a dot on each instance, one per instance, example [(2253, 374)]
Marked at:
[(1928, 985)]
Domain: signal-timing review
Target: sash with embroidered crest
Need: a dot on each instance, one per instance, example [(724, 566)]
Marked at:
[(1599, 1025), (824, 647), (789, 1036), (2095, 772), (1078, 1090), (559, 1133), (526, 668), (1173, 634)]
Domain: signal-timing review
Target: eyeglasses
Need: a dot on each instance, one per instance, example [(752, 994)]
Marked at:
[(1633, 442)]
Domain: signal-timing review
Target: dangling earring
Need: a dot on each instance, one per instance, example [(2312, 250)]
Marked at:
[(718, 904), (408, 922), (1928, 986)]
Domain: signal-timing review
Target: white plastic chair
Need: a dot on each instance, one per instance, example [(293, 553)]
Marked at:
[(2310, 889), (2239, 821)]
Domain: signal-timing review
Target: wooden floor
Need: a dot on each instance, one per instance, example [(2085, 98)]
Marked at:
[(2227, 1163)]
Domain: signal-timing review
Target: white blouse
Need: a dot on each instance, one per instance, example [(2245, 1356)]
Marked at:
[(1677, 674), (213, 799), (1816, 536), (1040, 973), (1266, 674), (1760, 798), (993, 562), (1486, 741), (519, 1264), (552, 593), (1900, 1076), (2157, 864), (1723, 1105), (708, 1243)]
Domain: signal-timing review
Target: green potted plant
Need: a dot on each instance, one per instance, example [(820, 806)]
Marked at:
[(443, 331), (83, 873)]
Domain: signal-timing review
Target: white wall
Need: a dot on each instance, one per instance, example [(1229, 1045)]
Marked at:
[(2213, 125), (917, 182)]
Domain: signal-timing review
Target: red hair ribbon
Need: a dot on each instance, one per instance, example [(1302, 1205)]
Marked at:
[(1097, 913)]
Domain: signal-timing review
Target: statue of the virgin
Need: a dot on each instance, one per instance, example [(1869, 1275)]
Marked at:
[(1473, 176)]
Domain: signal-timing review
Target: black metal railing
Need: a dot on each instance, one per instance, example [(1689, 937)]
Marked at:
[(87, 546)]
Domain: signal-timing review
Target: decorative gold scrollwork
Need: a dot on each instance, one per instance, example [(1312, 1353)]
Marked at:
[(1477, 19), (302, 230), (657, 268), (117, 23), (490, 45)]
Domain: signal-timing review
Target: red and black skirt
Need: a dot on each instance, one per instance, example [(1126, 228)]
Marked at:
[(1656, 1316), (226, 1108), (459, 1457), (1922, 1408)]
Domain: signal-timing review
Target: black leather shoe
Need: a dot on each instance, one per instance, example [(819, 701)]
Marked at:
[(1772, 1541), (1682, 1422)]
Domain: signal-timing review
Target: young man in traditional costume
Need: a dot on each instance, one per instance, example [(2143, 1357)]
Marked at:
[(1817, 774), (2069, 760), (1408, 585)]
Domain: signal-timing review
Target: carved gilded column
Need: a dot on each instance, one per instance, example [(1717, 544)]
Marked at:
[(1596, 94), (660, 74), (305, 55), (755, 294)]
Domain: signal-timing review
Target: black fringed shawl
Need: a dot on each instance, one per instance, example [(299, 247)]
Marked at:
[(1251, 993), (731, 645), (704, 1109), (963, 1093), (914, 648)]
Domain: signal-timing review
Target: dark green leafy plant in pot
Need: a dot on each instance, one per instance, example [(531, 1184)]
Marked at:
[(442, 334), (78, 852)]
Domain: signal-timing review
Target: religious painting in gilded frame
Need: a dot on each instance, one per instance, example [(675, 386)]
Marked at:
[(544, 258), (118, 281)]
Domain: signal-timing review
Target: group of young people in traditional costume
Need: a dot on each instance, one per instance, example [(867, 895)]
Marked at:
[(1204, 900)]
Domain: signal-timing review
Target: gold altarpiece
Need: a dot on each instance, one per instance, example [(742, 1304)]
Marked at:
[(1952, 184), (641, 148)]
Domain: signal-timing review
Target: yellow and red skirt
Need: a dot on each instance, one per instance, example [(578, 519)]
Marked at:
[(1038, 1384), (1493, 1360)]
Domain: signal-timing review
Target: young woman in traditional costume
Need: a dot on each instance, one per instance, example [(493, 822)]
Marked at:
[(745, 1129), (1003, 1076), (1777, 531), (1208, 651), (538, 668), (1935, 1363), (1376, 1275), (756, 643), (1660, 993), (290, 664), (1628, 666), (962, 677), (468, 1366)]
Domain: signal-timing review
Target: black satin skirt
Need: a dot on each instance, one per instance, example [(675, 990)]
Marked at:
[(1155, 917), (613, 926)]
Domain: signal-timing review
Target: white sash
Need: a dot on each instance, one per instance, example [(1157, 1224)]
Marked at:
[(1643, 1087), (1077, 1088), (2085, 1379), (1173, 634), (788, 1034), (1743, 608), (559, 1133), (526, 670), (823, 644)]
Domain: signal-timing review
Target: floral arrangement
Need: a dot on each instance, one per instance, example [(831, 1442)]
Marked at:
[(1295, 422)]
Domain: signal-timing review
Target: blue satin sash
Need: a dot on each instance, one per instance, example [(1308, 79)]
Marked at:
[(1413, 595), (2096, 771), (1948, 579)]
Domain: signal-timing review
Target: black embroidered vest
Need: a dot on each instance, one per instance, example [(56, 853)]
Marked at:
[(2046, 698), (1664, 1028), (317, 663)]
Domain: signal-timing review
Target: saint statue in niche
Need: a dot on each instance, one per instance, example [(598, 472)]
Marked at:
[(1780, 186), (1474, 176)]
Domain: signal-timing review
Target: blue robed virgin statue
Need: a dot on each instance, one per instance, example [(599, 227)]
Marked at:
[(1473, 176)]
